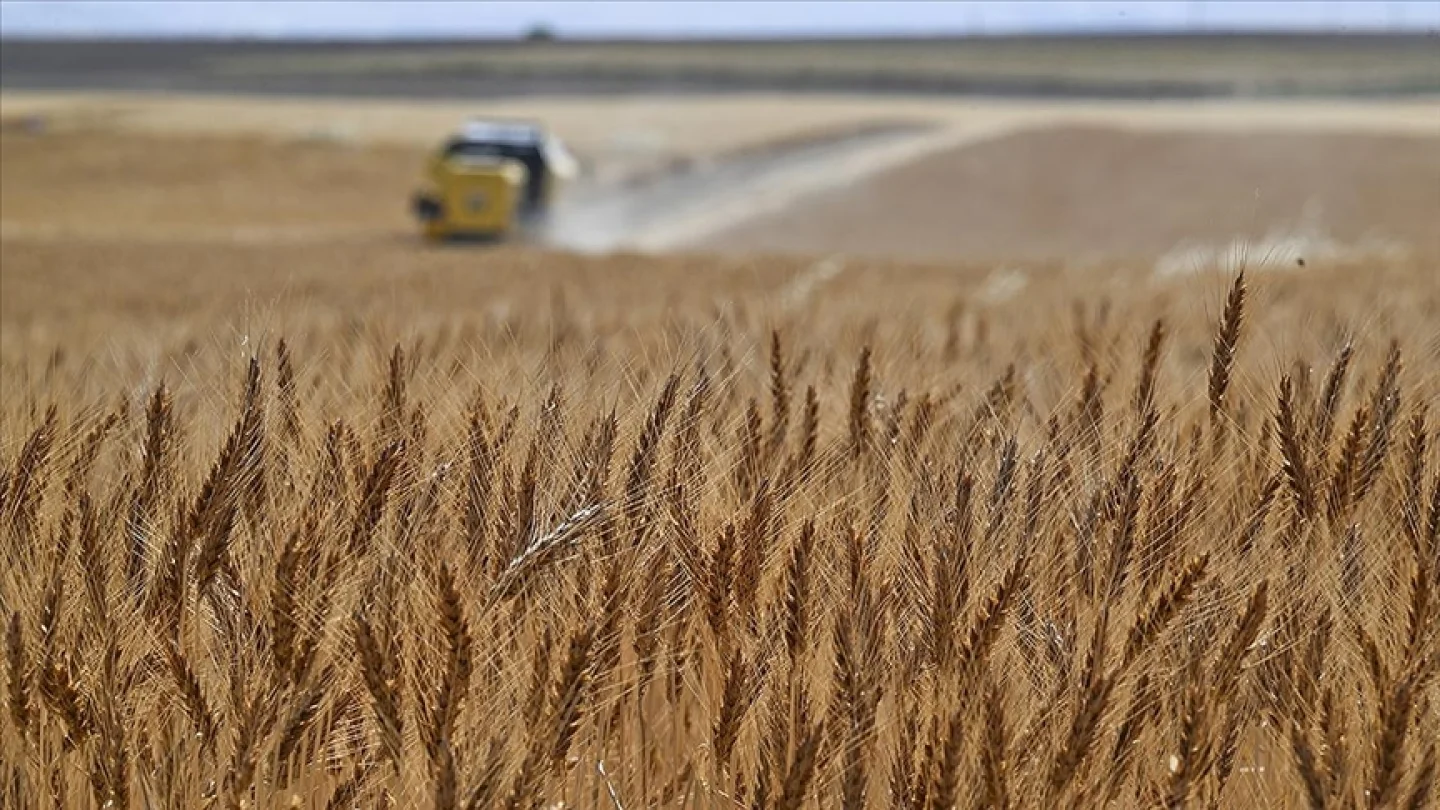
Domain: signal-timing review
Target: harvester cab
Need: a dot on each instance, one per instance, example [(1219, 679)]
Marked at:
[(492, 179)]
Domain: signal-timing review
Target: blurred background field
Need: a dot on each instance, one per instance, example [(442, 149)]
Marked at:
[(205, 160), (1137, 143), (957, 177), (1215, 65)]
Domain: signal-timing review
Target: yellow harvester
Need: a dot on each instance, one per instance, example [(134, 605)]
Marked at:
[(491, 180)]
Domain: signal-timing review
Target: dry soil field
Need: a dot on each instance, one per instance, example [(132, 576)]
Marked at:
[(971, 179), (295, 512), (1087, 192)]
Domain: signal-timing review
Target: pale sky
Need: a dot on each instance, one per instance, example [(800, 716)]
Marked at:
[(372, 18)]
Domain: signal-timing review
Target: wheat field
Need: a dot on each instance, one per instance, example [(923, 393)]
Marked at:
[(292, 527)]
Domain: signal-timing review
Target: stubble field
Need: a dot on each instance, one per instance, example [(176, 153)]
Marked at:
[(1088, 192), (302, 518)]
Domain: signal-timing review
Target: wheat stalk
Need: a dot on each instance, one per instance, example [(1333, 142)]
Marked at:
[(1222, 354)]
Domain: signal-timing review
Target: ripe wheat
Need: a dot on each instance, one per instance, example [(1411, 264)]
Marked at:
[(992, 563)]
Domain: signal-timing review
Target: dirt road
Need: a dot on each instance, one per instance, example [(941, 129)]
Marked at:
[(672, 209)]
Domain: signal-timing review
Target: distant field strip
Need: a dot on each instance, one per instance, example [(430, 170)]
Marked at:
[(1155, 66), (766, 172), (183, 235)]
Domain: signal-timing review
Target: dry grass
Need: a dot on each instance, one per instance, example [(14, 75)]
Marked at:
[(143, 186), (511, 529)]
